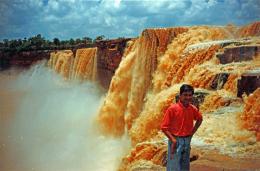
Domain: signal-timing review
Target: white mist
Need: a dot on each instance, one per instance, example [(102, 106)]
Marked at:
[(51, 128)]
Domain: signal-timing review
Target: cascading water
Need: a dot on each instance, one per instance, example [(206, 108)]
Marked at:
[(191, 57), (54, 124), (61, 62), (81, 67), (132, 80), (85, 65)]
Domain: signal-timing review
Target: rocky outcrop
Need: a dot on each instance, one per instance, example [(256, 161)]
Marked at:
[(238, 54), (248, 83), (22, 59), (249, 30), (109, 55), (219, 81)]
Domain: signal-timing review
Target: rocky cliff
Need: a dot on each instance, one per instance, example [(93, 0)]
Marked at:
[(109, 55), (22, 59)]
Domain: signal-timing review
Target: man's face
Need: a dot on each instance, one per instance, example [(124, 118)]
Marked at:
[(186, 97)]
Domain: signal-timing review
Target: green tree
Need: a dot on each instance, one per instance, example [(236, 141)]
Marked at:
[(87, 40), (78, 41), (71, 41), (36, 41), (6, 43), (39, 41), (13, 44), (98, 38), (25, 46), (24, 40), (56, 41)]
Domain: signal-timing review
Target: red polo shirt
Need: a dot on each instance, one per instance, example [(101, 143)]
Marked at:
[(178, 119)]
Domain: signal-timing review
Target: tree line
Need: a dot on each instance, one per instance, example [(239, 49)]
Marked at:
[(40, 43)]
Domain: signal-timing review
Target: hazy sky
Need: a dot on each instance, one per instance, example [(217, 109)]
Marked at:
[(67, 19)]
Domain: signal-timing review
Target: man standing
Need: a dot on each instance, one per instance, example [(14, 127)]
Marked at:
[(178, 126)]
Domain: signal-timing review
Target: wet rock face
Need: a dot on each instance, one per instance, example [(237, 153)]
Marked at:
[(22, 59), (238, 54), (219, 81), (109, 54), (248, 83)]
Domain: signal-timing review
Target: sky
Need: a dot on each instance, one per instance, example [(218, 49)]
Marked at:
[(67, 19)]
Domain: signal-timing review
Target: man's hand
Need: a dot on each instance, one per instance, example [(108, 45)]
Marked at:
[(173, 147)]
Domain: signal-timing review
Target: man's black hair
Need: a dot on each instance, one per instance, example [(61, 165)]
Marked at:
[(186, 88)]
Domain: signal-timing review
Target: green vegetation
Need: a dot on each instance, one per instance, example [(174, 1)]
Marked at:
[(40, 43)]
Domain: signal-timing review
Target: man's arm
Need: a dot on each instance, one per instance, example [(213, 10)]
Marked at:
[(196, 126), (165, 125), (165, 129), (172, 139)]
